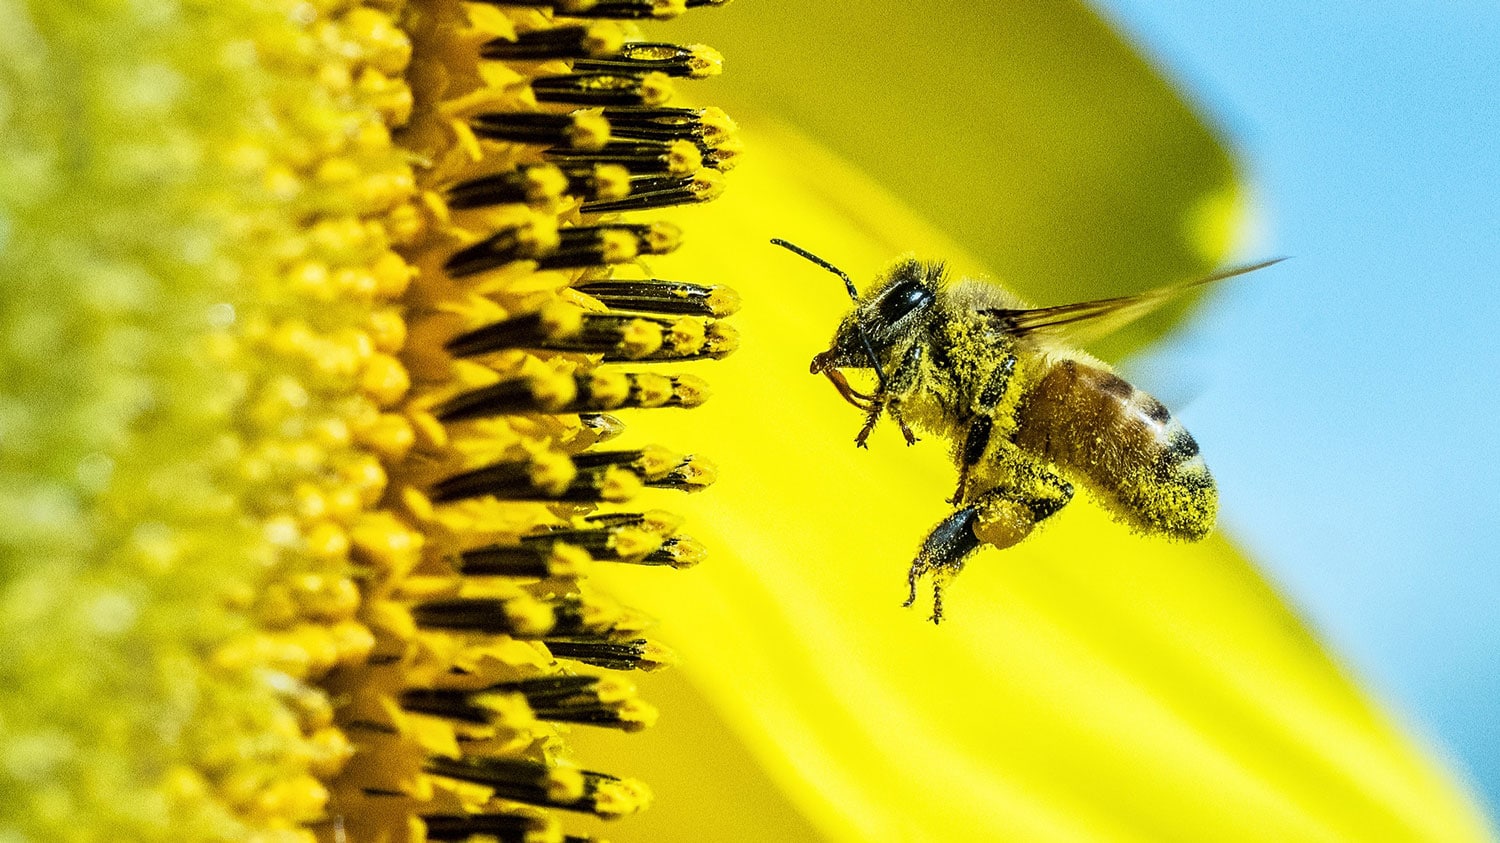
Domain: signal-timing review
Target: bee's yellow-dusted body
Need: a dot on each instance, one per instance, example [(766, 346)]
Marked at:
[(1027, 415)]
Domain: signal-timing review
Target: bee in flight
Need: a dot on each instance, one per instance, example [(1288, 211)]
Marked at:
[(1027, 414)]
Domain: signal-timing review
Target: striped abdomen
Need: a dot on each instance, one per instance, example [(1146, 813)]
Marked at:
[(1123, 444)]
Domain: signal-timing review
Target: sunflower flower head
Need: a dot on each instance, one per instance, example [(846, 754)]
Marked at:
[(307, 361)]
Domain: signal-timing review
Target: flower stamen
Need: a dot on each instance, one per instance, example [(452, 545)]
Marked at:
[(694, 62), (579, 130), (602, 38), (602, 88)]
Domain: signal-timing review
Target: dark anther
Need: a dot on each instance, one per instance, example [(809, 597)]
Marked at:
[(458, 827), (528, 183), (469, 614), (503, 560), (647, 193), (632, 654), (614, 243), (502, 247), (640, 57), (601, 88), (652, 295), (536, 128), (558, 42), (677, 158)]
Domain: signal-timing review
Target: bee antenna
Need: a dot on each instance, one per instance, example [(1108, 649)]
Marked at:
[(853, 294), (798, 250)]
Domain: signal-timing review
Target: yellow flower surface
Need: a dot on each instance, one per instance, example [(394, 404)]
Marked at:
[(1087, 685), (321, 320), (310, 319)]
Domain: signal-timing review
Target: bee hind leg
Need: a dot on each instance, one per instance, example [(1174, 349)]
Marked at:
[(942, 556), (1000, 518), (1006, 516), (911, 438)]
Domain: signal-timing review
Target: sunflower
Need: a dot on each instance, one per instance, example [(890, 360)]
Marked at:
[(330, 330)]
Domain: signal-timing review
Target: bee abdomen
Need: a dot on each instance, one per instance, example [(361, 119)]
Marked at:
[(1125, 446)]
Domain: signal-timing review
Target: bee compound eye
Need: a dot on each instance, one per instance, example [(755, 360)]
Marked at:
[(902, 300)]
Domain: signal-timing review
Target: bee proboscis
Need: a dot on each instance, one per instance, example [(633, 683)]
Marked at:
[(1027, 413)]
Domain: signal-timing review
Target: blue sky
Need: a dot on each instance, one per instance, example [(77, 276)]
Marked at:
[(1365, 480)]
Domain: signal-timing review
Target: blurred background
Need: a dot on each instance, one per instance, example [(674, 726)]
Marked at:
[(1345, 397), (1366, 481)]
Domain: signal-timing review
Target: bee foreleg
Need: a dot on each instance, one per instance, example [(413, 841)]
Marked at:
[(872, 415), (884, 404), (911, 438), (902, 379)]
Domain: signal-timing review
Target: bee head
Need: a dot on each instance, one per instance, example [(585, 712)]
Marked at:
[(900, 302)]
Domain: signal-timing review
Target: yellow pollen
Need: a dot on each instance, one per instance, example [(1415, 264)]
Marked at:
[(612, 388), (692, 390), (684, 158), (655, 390), (620, 485), (634, 542), (564, 786), (590, 131), (618, 247), (551, 473), (640, 338), (561, 320), (553, 390), (612, 181)]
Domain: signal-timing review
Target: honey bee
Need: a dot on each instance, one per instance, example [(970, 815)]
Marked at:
[(1027, 414)]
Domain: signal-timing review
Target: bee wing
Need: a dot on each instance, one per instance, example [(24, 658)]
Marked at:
[(1085, 321)]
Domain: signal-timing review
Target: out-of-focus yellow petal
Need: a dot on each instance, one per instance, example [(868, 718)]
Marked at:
[(1030, 132), (1089, 685)]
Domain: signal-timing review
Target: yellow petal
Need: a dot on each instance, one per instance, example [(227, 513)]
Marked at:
[(1030, 132), (1088, 685)]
